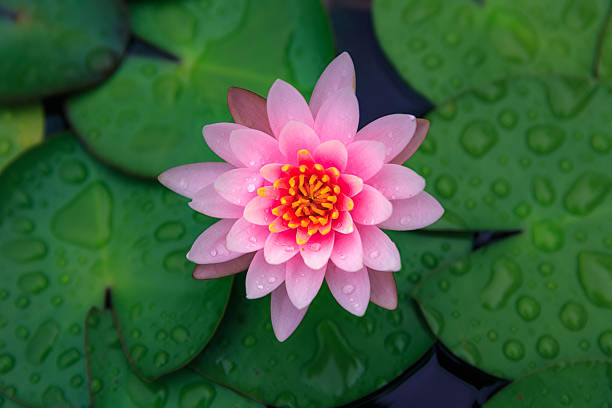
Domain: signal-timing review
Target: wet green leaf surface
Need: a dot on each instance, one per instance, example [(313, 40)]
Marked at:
[(114, 383), (580, 384), (333, 357), (444, 48), (530, 155), (54, 46), (70, 228), (20, 128), (149, 116)]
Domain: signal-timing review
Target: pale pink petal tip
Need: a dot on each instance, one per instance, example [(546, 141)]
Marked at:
[(303, 283), (208, 201), (317, 250), (217, 137), (210, 246), (379, 251), (397, 182), (413, 213), (350, 289), (383, 290), (371, 207), (285, 316), (188, 179), (262, 278), (340, 73), (422, 127), (394, 131), (220, 270), (284, 104), (338, 118)]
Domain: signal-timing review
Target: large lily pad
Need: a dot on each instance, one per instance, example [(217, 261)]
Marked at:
[(71, 230), (147, 118), (114, 384), (50, 47), (529, 155), (333, 357), (20, 128), (444, 48), (578, 384)]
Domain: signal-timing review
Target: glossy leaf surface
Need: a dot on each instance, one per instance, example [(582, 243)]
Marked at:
[(20, 128)]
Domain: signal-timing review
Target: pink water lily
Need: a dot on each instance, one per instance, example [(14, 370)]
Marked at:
[(301, 187)]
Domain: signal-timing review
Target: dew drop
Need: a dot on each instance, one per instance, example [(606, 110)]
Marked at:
[(397, 343), (547, 347), (514, 350), (348, 289), (197, 395), (595, 275), (573, 316), (504, 280), (528, 308), (547, 236), (160, 359)]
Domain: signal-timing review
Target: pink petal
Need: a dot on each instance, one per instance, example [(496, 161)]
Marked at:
[(248, 109), (254, 148), (295, 137), (210, 246), (338, 118), (379, 252), (394, 131), (316, 252), (383, 290), (340, 73), (331, 154), (344, 223), (350, 185), (371, 207), (217, 138), (413, 213), (280, 247), (365, 158), (285, 104), (303, 283), (258, 211), (348, 251), (351, 289), (285, 317), (271, 172), (220, 270), (397, 182), (209, 202), (239, 186), (246, 237), (422, 127), (188, 179), (262, 278)]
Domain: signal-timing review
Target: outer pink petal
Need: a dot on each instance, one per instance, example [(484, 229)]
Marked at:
[(397, 182), (248, 109), (258, 211), (262, 278), (285, 317), (394, 131), (365, 158), (271, 172), (280, 247), (209, 202), (383, 289), (303, 283), (285, 104), (340, 73), (254, 148), (344, 223), (331, 154), (350, 185), (351, 289), (317, 250), (371, 207), (217, 138), (188, 179), (338, 118), (219, 270), (422, 127), (295, 137), (246, 237), (210, 246), (413, 213), (379, 252), (348, 251), (239, 186)]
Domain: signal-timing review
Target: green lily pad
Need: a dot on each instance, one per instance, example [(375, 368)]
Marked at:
[(20, 128), (50, 47), (114, 384), (333, 357), (72, 229), (531, 156), (445, 48), (147, 118), (578, 384)]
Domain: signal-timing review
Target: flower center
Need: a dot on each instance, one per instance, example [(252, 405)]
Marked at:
[(308, 198)]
